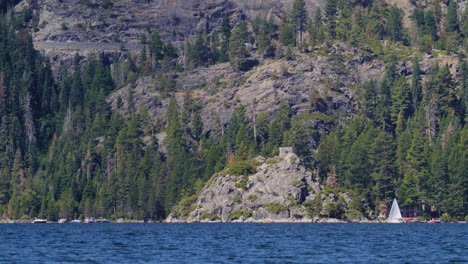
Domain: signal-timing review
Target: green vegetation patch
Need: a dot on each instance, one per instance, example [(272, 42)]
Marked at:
[(242, 184), (236, 214), (295, 182), (211, 217), (253, 197), (275, 208), (271, 161), (238, 168), (185, 206), (237, 199)]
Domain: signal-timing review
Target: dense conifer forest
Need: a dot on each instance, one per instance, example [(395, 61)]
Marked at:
[(64, 153)]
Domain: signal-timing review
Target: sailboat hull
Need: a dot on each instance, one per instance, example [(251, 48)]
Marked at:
[(395, 221)]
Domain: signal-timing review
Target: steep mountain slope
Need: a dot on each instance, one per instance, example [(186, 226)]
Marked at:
[(325, 84), (129, 129), (126, 21)]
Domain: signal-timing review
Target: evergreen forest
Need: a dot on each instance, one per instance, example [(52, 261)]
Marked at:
[(66, 153)]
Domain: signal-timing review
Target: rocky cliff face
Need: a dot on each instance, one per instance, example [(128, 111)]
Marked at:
[(126, 21), (219, 89), (334, 77), (279, 190)]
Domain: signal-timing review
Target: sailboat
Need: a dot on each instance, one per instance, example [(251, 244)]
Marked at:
[(395, 215)]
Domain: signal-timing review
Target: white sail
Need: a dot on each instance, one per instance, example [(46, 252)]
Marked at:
[(395, 215)]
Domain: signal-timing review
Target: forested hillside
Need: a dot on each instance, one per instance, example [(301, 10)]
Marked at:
[(65, 152)]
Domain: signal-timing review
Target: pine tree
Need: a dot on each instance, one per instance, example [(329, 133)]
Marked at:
[(395, 24), (177, 157), (199, 53), (443, 86), (344, 23), (401, 102), (286, 35), (330, 17), (356, 175), (451, 23), (299, 17), (5, 179), (369, 99), (357, 29), (430, 28), (316, 28), (418, 18), (416, 87), (376, 18), (237, 51), (266, 31), (464, 26), (77, 89), (156, 47), (457, 167), (226, 28), (382, 160), (415, 169)]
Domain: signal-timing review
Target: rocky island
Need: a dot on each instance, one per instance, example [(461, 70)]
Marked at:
[(278, 189)]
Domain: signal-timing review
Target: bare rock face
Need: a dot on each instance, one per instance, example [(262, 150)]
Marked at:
[(219, 89), (126, 21), (281, 190)]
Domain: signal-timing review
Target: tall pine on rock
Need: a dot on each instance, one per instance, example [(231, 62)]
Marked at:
[(299, 17)]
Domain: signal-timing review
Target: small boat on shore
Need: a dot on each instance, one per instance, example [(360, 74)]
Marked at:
[(434, 221), (76, 221), (102, 220), (62, 220), (39, 221)]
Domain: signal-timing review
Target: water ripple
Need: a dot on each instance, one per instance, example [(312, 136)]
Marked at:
[(233, 243)]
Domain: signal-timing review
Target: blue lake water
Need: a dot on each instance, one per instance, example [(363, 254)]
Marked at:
[(233, 243)]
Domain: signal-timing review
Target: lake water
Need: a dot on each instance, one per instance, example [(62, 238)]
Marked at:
[(233, 243)]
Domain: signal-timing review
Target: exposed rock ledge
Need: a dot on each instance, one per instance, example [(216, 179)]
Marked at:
[(280, 189)]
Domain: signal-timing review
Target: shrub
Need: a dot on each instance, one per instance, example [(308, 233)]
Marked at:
[(25, 217), (353, 215), (64, 26), (242, 184), (211, 217), (237, 199), (253, 198), (295, 182), (445, 217), (238, 168), (236, 214), (425, 44), (185, 206), (275, 208)]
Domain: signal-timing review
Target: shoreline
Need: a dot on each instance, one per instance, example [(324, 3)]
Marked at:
[(266, 221)]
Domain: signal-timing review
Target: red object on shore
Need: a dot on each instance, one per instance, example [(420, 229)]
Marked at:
[(323, 222), (434, 221)]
